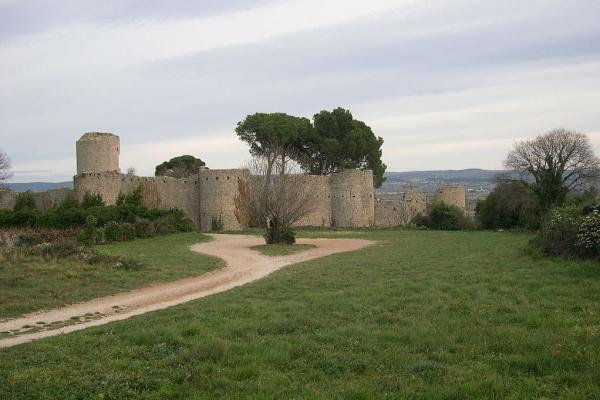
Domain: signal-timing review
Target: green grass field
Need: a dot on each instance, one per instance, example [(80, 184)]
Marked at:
[(31, 284), (282, 250), (422, 315)]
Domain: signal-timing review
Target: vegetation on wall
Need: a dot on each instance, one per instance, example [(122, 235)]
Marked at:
[(179, 167)]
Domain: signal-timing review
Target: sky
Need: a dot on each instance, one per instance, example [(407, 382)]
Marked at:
[(448, 85)]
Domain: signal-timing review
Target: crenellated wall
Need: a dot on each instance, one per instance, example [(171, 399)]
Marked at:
[(400, 212), (43, 200)]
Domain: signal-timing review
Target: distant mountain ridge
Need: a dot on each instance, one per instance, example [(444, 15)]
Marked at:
[(462, 175), (38, 186)]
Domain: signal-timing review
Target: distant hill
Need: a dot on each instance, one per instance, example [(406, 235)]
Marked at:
[(463, 175), (38, 186)]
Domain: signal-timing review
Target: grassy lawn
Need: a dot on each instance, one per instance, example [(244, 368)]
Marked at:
[(424, 315), (31, 284), (282, 250)]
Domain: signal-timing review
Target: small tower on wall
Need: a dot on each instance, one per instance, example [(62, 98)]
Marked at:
[(97, 152)]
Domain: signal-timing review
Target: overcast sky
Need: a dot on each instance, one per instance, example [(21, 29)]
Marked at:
[(447, 84)]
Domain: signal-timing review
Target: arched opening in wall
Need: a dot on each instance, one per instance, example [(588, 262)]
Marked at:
[(216, 178)]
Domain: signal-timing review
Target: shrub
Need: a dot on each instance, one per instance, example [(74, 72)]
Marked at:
[(571, 231), (588, 235), (18, 242), (25, 201), (133, 198), (90, 234), (509, 205), (279, 234), (111, 231), (443, 217), (143, 228), (559, 231), (216, 223), (92, 200)]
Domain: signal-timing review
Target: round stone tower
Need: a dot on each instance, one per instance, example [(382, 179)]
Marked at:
[(352, 198), (97, 152), (218, 190), (453, 196)]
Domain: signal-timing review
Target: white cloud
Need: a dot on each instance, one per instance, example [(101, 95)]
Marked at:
[(448, 85)]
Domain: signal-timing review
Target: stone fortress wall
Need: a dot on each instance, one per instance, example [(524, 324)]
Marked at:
[(43, 200), (343, 199), (390, 213)]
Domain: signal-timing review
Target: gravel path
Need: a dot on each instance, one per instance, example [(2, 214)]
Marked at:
[(242, 265)]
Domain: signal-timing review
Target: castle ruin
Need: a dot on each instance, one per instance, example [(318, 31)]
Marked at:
[(342, 199)]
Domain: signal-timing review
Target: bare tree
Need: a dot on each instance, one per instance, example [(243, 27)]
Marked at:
[(277, 202), (4, 167), (558, 161)]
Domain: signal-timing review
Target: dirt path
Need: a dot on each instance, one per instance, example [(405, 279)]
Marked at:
[(242, 265)]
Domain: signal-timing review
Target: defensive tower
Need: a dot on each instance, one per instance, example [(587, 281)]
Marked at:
[(97, 152), (352, 198), (453, 196)]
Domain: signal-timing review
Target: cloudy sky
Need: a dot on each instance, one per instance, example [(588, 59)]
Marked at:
[(447, 84)]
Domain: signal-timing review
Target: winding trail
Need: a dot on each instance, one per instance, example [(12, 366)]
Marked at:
[(242, 265)]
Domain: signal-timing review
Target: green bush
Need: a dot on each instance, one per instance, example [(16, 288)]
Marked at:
[(443, 217), (571, 231), (279, 234), (588, 234), (91, 200), (90, 234), (216, 223), (25, 201), (509, 205), (111, 231), (133, 198)]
